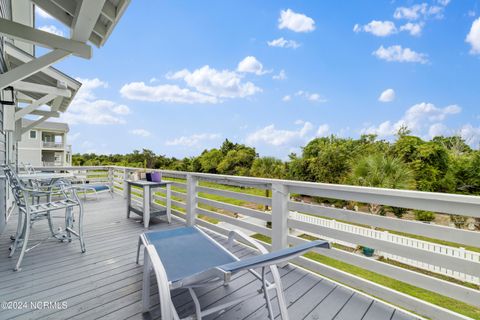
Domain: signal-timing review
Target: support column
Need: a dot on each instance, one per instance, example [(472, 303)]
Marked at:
[(280, 198)]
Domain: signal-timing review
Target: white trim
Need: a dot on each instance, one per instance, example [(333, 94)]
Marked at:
[(32, 107), (45, 39), (86, 16), (25, 70), (41, 88)]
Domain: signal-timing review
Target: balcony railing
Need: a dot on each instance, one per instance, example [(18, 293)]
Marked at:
[(54, 145), (197, 196)]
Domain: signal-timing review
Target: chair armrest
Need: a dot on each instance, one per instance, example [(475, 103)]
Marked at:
[(236, 234)]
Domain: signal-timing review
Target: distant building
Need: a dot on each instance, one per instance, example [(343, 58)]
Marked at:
[(45, 145)]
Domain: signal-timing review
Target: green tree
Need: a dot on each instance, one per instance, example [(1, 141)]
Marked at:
[(209, 160), (428, 160), (383, 172), (268, 167), (237, 162)]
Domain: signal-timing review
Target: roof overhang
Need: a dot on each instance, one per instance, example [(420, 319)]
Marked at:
[(88, 20), (48, 81)]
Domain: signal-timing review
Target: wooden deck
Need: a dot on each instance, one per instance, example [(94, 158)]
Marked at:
[(106, 283)]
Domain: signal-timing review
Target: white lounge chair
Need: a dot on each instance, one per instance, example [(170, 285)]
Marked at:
[(188, 258)]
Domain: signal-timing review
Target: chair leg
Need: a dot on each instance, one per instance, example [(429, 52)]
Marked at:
[(139, 245), (69, 223), (19, 233), (80, 226), (265, 294), (50, 223), (146, 282), (282, 304), (26, 235), (198, 310)]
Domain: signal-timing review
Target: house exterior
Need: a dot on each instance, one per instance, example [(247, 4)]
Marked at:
[(45, 145), (31, 88)]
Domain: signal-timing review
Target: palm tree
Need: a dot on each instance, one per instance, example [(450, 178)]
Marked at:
[(382, 172)]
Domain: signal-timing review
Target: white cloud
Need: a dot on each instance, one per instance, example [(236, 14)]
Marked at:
[(164, 93), (39, 11), (52, 29), (399, 54), (221, 84), (415, 29), (153, 79), (140, 132), (279, 137), (473, 37), (443, 2), (208, 85), (314, 97), (377, 28), (193, 140), (287, 98), (280, 76), (283, 43), (387, 96), (471, 135), (417, 118), (438, 129), (251, 65), (323, 130), (419, 11), (297, 22), (87, 108)]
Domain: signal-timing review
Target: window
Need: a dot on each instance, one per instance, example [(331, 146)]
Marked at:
[(33, 134)]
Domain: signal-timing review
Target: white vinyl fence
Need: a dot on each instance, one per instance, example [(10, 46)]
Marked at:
[(394, 238)]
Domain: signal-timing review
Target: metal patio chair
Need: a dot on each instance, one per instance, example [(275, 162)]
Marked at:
[(188, 258), (59, 196)]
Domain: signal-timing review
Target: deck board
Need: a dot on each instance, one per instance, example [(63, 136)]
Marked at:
[(105, 282)]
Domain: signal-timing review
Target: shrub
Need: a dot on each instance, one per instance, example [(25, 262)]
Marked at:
[(399, 212), (459, 221), (425, 216)]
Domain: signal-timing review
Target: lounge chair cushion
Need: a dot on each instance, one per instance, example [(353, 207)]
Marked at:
[(187, 251)]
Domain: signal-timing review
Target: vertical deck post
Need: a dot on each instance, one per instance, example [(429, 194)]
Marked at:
[(124, 184), (191, 199), (280, 197), (110, 178)]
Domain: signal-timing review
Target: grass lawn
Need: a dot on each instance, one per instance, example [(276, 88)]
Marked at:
[(432, 297)]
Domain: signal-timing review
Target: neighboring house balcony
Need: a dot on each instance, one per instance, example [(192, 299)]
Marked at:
[(53, 145)]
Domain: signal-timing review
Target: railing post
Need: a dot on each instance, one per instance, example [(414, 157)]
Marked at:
[(110, 177), (124, 184), (191, 199), (280, 197)]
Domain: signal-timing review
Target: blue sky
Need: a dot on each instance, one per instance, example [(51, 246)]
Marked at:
[(181, 76)]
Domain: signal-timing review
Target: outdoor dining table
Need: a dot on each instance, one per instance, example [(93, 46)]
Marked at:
[(149, 209), (46, 176), (50, 177)]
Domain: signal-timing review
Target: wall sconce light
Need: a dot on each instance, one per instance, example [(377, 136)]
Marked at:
[(8, 97)]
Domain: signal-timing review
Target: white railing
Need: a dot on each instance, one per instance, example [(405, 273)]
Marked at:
[(49, 144), (201, 199)]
